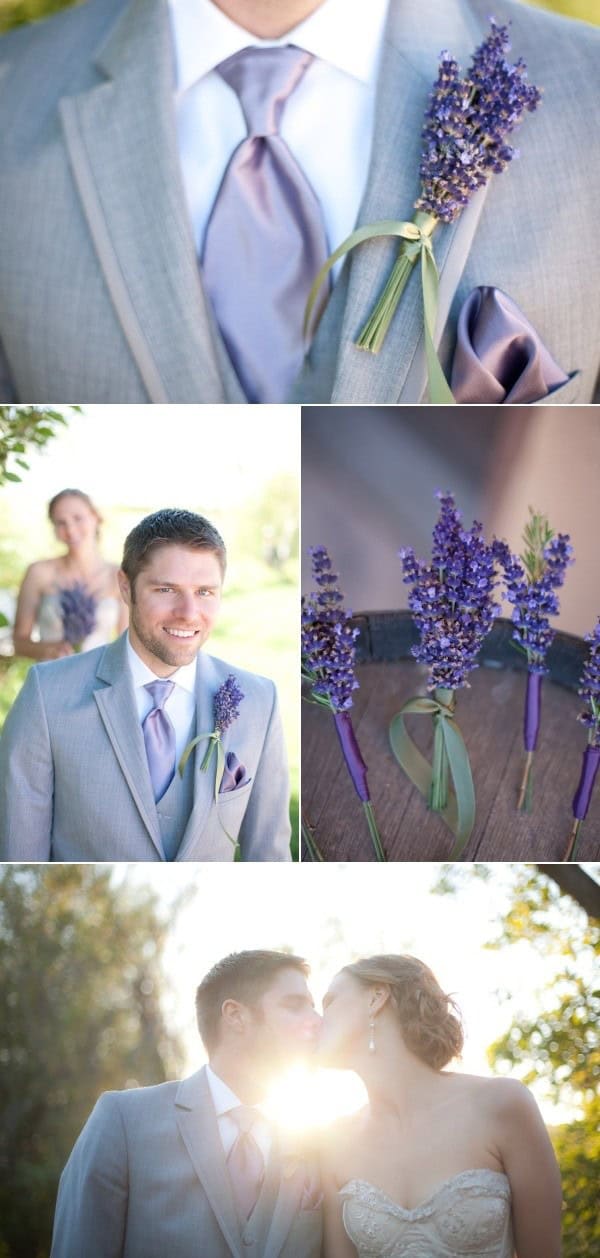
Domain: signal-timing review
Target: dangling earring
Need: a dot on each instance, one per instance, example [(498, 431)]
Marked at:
[(371, 1035)]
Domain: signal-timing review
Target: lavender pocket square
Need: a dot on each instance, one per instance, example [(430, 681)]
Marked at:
[(499, 356), (234, 774)]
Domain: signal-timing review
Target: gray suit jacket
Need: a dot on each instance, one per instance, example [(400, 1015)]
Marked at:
[(147, 1179), (100, 294), (74, 779)]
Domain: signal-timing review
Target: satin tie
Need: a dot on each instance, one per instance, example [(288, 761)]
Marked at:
[(265, 240), (245, 1162), (159, 737)]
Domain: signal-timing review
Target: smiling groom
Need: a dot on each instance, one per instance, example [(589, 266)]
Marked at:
[(89, 753)]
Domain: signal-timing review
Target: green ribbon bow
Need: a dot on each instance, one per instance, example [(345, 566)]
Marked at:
[(418, 235), (449, 753)]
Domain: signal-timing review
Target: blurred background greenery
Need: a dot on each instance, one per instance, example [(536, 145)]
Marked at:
[(15, 12), (250, 494), (99, 964)]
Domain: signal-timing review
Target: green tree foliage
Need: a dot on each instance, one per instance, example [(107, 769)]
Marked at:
[(23, 428), (80, 991)]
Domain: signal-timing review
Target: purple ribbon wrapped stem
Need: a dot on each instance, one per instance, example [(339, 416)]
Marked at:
[(533, 708), (583, 794), (352, 754)]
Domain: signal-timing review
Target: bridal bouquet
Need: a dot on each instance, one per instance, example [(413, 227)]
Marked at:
[(465, 135), (328, 656), (590, 717), (531, 584), (78, 611), (453, 607)]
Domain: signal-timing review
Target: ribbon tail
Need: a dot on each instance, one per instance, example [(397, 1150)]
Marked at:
[(439, 389), (462, 807), (387, 227), (414, 763), (189, 749)]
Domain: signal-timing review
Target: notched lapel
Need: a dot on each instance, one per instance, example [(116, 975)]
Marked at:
[(197, 1123), (115, 701), (121, 139), (207, 683), (288, 1200)]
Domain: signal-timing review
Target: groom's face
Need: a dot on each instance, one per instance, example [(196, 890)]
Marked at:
[(173, 605), (345, 1021), (283, 1025)]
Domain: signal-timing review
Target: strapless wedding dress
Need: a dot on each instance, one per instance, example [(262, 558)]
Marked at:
[(468, 1216), (49, 621)]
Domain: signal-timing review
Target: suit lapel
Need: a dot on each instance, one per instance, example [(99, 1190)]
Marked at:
[(417, 31), (290, 1175), (121, 139), (116, 705), (207, 683), (197, 1123)]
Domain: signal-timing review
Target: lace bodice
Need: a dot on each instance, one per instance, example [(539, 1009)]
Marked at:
[(468, 1216), (49, 621)]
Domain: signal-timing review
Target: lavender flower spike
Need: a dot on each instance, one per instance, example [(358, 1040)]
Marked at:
[(328, 661), (78, 611), (590, 717), (531, 584), (226, 705)]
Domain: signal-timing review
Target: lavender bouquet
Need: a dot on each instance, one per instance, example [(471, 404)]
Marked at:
[(328, 659), (465, 133), (531, 584), (453, 607), (590, 717), (78, 611)]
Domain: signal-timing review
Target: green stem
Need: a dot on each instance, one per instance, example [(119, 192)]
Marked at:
[(573, 843), (376, 328), (373, 831), (314, 854), (525, 799), (212, 746)]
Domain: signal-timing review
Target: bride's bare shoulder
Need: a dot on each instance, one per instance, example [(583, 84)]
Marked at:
[(497, 1094)]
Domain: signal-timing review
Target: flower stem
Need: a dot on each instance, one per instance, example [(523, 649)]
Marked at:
[(438, 794), (376, 328), (373, 831), (208, 754), (314, 854), (526, 788), (574, 837)]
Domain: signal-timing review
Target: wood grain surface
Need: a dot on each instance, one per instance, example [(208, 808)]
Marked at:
[(489, 714)]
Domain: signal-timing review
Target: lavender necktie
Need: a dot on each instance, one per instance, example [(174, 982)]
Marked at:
[(265, 240), (159, 737), (245, 1162)]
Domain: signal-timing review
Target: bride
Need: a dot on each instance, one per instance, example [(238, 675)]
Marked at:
[(439, 1164)]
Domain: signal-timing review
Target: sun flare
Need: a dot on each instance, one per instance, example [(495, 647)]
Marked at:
[(303, 1099)]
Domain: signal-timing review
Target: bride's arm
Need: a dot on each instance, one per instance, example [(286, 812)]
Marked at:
[(336, 1243), (529, 1162)]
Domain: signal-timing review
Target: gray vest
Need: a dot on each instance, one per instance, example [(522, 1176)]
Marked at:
[(174, 809)]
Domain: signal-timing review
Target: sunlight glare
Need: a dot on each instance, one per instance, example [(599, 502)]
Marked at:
[(303, 1099)]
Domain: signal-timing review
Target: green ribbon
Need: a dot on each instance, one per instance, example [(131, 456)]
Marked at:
[(459, 813), (420, 238)]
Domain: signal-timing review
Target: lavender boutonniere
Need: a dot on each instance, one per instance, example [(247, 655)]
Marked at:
[(453, 607), (590, 691), (78, 609), (531, 584), (226, 709), (465, 133), (328, 661)]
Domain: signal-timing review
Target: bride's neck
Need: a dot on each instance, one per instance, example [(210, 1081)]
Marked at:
[(394, 1078)]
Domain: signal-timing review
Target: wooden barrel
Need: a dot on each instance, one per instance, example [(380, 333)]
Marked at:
[(490, 716)]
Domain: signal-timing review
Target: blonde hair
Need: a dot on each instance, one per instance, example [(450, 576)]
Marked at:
[(429, 1018), (75, 493)]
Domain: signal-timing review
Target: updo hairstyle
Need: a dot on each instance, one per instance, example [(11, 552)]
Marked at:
[(429, 1019)]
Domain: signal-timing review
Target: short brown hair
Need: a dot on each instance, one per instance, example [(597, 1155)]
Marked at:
[(243, 976), (429, 1018), (170, 527)]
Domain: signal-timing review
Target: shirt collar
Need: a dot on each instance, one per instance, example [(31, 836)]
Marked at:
[(184, 676), (223, 1097), (346, 33)]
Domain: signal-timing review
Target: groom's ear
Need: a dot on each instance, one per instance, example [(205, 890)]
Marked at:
[(124, 587), (234, 1015)]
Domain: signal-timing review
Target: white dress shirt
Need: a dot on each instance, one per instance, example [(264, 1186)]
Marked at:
[(224, 1100), (181, 704), (327, 122)]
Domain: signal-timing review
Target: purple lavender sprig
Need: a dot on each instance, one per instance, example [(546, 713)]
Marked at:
[(452, 598), (328, 664), (78, 609), (532, 581), (589, 690), (226, 704), (467, 124)]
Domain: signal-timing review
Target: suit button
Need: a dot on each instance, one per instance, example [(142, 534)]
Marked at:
[(248, 1240)]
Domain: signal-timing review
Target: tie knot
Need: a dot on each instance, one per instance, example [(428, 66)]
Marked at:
[(263, 79), (159, 692), (245, 1116)]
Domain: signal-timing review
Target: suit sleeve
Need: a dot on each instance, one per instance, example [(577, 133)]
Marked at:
[(265, 831), (26, 778), (91, 1207)]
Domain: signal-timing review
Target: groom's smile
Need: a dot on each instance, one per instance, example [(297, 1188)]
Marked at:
[(173, 604)]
